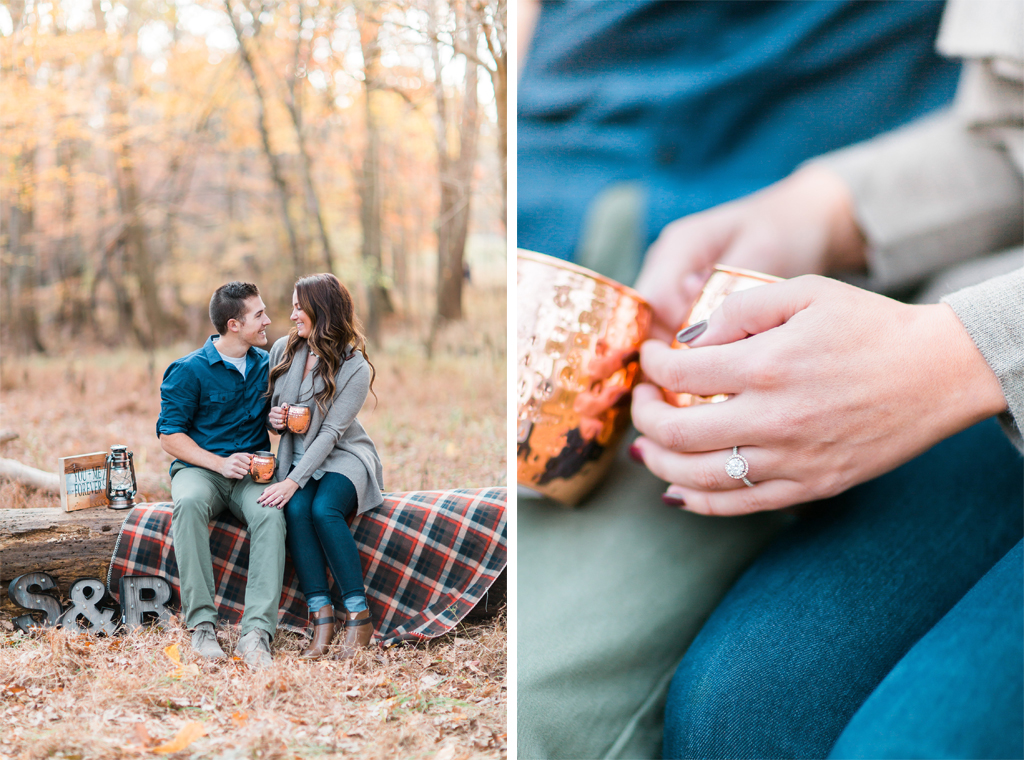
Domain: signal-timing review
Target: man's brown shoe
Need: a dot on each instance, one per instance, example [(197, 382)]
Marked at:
[(323, 633), (358, 632)]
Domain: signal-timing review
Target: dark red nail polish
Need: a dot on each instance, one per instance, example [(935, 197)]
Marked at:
[(672, 500), (635, 453)]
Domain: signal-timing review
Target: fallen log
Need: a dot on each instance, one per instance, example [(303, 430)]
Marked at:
[(67, 545), (48, 482), (73, 545)]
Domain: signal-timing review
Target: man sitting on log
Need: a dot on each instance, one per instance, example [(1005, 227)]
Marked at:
[(212, 419)]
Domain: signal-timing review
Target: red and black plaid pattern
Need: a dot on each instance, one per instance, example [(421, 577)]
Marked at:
[(428, 558)]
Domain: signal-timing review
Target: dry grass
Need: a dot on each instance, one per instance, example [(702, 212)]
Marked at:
[(439, 423), (76, 696)]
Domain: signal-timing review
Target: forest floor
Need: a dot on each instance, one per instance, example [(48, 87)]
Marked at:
[(438, 422)]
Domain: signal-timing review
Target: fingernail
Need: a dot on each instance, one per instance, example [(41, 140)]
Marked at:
[(692, 332), (635, 453), (672, 500)]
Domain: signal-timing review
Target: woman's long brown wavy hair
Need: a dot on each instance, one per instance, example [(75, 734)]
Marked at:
[(334, 329)]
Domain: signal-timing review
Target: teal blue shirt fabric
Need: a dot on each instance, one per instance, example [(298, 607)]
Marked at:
[(208, 399), (703, 102)]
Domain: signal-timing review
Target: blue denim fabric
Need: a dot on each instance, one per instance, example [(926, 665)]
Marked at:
[(319, 537), (703, 102), (824, 615), (208, 400), (968, 667)]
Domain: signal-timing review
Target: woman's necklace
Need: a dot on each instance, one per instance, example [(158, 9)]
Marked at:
[(311, 361)]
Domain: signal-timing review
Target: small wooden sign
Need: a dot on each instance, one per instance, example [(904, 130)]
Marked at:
[(83, 481)]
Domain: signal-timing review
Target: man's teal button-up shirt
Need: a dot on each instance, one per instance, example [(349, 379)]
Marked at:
[(207, 399)]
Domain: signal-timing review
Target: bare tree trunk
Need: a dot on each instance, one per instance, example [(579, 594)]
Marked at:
[(493, 23), (456, 175), (21, 285), (283, 194), (138, 263), (369, 187), (295, 110)]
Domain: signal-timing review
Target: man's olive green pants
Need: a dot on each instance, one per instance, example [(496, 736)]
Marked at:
[(200, 495)]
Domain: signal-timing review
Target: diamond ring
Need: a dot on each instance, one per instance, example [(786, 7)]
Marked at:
[(737, 467)]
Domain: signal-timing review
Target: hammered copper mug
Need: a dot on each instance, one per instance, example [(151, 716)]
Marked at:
[(720, 284), (297, 418), (578, 341), (261, 467)]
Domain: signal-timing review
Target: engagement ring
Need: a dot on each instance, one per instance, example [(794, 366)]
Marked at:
[(737, 467)]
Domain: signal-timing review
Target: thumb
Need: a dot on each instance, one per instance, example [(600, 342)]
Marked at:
[(749, 312)]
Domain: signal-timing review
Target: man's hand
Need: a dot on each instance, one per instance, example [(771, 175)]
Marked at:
[(803, 224), (181, 446), (235, 466)]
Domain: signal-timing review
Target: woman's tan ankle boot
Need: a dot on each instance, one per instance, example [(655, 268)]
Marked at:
[(358, 632), (323, 633)]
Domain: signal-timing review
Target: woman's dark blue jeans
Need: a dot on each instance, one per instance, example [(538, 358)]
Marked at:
[(319, 536), (893, 611)]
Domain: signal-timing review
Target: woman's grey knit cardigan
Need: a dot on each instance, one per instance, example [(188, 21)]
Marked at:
[(334, 442)]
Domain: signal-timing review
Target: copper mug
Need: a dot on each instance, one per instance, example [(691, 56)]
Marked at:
[(297, 418), (578, 341), (722, 282), (261, 467)]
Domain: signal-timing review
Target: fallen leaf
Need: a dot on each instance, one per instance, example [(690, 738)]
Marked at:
[(188, 734), (142, 735), (182, 670), (239, 718)]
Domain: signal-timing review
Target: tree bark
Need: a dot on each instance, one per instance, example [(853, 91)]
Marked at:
[(276, 171), (67, 545), (22, 278), (369, 187), (138, 263), (294, 105), (456, 178)]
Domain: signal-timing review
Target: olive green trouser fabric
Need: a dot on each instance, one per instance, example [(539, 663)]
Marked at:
[(609, 596), (199, 495)]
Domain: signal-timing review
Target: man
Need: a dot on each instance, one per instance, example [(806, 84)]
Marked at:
[(212, 418)]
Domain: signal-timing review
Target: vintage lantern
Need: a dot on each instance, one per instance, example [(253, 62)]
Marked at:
[(121, 485)]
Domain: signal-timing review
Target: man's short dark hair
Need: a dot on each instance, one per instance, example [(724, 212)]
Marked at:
[(228, 303)]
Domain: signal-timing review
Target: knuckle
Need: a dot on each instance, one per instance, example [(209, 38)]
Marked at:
[(752, 500), (706, 477), (668, 433), (764, 372)]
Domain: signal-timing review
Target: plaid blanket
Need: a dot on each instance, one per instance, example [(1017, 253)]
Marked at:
[(428, 558)]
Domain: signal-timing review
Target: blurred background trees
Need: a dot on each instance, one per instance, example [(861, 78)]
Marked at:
[(153, 149)]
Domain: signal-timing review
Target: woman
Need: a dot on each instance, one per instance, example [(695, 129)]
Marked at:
[(333, 468)]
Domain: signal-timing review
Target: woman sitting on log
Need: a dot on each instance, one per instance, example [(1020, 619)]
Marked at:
[(330, 469)]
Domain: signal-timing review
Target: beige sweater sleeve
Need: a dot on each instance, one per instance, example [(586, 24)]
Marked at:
[(949, 188), (993, 313)]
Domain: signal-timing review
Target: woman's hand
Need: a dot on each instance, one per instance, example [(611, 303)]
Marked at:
[(831, 386), (278, 417), (803, 224), (278, 494)]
